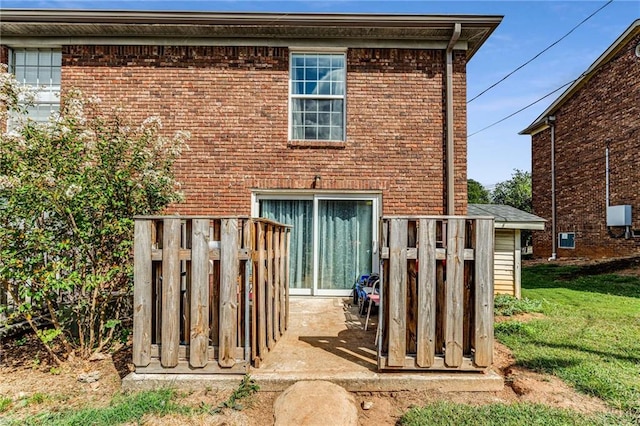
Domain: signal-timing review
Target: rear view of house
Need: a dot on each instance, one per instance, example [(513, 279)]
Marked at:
[(321, 121), (586, 180)]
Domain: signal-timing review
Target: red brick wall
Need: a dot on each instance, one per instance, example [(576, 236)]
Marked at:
[(4, 55), (605, 109), (234, 102)]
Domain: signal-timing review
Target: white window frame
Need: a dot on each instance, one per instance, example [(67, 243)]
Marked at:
[(48, 92), (317, 51)]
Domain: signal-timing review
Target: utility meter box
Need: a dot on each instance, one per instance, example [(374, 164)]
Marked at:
[(619, 215)]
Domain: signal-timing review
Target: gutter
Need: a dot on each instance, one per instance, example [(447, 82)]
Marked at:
[(449, 167)]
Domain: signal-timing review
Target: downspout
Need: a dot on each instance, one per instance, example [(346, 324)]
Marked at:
[(551, 121), (450, 172)]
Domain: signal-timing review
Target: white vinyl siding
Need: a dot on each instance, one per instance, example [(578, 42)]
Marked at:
[(505, 262)]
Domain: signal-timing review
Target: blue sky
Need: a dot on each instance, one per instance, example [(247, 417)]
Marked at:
[(527, 28)]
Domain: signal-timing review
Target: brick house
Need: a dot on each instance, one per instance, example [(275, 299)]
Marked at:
[(589, 138), (322, 121)]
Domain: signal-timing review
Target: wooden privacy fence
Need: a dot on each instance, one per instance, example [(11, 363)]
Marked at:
[(437, 293), (210, 294)]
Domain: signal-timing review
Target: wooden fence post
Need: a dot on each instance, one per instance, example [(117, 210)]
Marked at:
[(170, 292), (426, 293), (484, 292), (397, 296), (199, 327), (454, 293), (228, 292), (142, 293)]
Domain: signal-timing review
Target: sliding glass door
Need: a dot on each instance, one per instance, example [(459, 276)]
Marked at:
[(332, 241)]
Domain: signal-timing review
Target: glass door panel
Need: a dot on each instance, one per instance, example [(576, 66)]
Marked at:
[(345, 243), (298, 213)]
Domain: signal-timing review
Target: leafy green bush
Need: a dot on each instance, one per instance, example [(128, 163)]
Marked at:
[(69, 190), (506, 305)]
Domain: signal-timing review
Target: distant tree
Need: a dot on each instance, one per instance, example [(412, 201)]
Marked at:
[(476, 193), (515, 192)]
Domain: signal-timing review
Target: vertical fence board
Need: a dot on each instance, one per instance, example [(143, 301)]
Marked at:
[(484, 292), (199, 326), (276, 284), (270, 340), (454, 292), (397, 295), (260, 287), (283, 279), (142, 293), (288, 279), (229, 246), (426, 293), (170, 292)]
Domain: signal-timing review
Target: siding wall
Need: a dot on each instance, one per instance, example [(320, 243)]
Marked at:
[(505, 262)]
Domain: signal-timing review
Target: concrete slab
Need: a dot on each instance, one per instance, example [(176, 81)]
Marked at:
[(326, 341)]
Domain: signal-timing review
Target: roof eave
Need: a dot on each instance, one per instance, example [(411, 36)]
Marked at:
[(354, 26)]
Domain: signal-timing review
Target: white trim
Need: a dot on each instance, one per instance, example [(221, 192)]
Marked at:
[(317, 49)]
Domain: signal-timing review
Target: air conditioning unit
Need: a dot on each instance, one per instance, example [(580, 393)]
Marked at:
[(619, 215)]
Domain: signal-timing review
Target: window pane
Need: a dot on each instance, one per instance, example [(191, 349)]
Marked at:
[(336, 133), (44, 59), (324, 133), (55, 76), (31, 57), (19, 58), (31, 76), (56, 57), (311, 133)]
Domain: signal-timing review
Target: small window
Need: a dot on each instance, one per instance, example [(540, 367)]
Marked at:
[(40, 68), (567, 240), (317, 104)]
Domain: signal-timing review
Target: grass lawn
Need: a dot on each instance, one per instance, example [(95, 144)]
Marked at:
[(589, 337)]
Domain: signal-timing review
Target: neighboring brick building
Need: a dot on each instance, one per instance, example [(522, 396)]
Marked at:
[(598, 115), (307, 119)]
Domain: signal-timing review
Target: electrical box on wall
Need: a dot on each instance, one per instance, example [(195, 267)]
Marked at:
[(619, 215)]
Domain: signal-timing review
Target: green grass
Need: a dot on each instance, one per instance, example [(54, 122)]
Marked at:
[(127, 408), (589, 336), (506, 305), (124, 408), (5, 403), (451, 414)]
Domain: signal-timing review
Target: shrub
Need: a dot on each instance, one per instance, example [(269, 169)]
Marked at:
[(69, 190)]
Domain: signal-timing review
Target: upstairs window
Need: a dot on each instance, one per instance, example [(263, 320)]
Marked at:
[(317, 104), (39, 68)]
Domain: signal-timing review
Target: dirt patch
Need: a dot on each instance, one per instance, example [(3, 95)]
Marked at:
[(29, 380)]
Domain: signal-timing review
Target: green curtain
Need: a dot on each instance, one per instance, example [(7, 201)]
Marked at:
[(299, 214), (345, 232)]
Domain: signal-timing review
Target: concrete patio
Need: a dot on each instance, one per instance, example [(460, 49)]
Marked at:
[(326, 341)]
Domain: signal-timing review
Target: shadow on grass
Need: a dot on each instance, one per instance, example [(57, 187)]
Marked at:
[(575, 278)]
